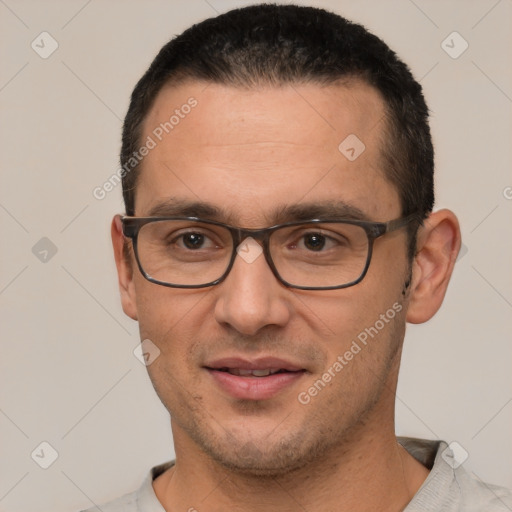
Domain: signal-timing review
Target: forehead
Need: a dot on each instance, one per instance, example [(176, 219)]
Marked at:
[(266, 146)]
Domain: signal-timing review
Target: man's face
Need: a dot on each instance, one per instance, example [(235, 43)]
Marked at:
[(252, 154)]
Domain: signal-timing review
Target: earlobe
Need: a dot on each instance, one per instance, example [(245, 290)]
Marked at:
[(437, 249), (124, 269)]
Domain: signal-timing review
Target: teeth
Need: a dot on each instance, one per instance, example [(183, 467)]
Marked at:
[(254, 373), (261, 373)]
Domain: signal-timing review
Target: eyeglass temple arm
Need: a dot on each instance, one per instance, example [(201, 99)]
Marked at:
[(393, 225)]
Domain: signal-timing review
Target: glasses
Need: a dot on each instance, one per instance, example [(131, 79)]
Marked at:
[(189, 252)]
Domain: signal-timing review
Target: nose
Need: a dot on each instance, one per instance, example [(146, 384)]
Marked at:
[(251, 297)]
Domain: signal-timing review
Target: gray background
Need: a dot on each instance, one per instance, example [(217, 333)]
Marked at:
[(68, 375)]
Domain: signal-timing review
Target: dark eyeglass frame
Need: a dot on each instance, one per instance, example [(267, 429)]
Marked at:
[(374, 230)]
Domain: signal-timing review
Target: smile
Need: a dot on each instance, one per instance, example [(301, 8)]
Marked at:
[(260, 379)]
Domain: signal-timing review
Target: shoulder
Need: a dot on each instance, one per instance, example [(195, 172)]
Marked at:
[(450, 486), (477, 495), (142, 500)]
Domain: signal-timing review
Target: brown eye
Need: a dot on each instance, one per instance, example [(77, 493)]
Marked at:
[(193, 240), (314, 242)]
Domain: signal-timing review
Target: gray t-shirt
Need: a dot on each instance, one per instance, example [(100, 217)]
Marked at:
[(448, 487)]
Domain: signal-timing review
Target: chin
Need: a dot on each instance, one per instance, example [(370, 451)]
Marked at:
[(263, 458), (251, 462)]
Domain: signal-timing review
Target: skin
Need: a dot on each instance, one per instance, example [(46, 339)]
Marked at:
[(247, 151)]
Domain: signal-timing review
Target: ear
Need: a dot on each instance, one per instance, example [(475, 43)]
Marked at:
[(437, 249), (124, 269)]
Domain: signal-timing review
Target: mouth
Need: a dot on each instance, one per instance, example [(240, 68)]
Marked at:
[(259, 379), (240, 372)]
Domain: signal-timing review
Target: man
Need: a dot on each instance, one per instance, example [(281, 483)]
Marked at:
[(278, 183)]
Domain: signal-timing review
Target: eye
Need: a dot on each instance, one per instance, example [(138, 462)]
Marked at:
[(317, 242), (314, 241), (193, 241)]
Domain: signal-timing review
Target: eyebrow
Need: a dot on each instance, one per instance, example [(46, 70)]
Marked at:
[(172, 207), (327, 210)]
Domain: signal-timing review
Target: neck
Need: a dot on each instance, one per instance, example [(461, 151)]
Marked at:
[(369, 472)]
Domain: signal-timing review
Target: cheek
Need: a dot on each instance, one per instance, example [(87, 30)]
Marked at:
[(361, 352), (342, 316), (170, 318), (174, 321), (360, 330)]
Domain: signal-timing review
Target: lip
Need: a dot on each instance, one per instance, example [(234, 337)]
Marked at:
[(254, 388), (260, 363)]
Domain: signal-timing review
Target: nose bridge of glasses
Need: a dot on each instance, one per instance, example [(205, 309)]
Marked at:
[(251, 244), (241, 235), (257, 233)]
